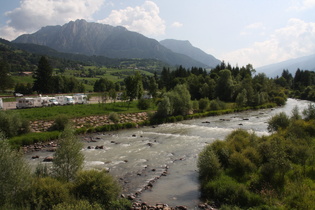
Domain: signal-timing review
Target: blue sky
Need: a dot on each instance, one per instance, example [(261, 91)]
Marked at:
[(236, 31)]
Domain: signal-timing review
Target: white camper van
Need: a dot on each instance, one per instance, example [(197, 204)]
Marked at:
[(28, 103), (80, 99), (65, 100), (1, 103)]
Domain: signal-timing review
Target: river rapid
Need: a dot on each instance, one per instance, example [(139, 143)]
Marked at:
[(159, 163)]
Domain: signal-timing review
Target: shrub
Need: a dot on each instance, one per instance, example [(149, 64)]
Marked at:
[(204, 104), (143, 104), (226, 190), (47, 192), (279, 121), (208, 164), (96, 187), (240, 165), (78, 205), (279, 100), (114, 117), (11, 124), (60, 123)]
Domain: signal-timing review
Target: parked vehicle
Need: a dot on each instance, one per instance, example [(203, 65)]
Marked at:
[(53, 101), (80, 99), (28, 103), (1, 103), (65, 100)]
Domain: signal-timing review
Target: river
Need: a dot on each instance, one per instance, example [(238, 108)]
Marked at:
[(160, 162)]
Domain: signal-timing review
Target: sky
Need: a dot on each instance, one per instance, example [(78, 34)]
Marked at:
[(259, 32)]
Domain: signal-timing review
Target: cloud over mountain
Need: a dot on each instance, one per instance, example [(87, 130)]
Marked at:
[(294, 40), (144, 19), (31, 15)]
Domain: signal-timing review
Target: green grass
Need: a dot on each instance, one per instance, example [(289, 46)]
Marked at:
[(74, 111), (23, 79)]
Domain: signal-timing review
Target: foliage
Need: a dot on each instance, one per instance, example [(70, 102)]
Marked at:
[(47, 192), (143, 104), (60, 123), (204, 104), (134, 86), (279, 121), (77, 205), (15, 175), (265, 172), (114, 117), (180, 100), (5, 79), (68, 158), (32, 138), (208, 164), (11, 124), (42, 76), (96, 187)]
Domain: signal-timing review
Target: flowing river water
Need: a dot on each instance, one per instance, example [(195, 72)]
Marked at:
[(160, 163)]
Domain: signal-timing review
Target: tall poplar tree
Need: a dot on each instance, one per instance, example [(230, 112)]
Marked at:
[(42, 76), (5, 79)]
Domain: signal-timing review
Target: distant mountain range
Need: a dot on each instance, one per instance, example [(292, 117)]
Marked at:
[(186, 48), (82, 37), (303, 63)]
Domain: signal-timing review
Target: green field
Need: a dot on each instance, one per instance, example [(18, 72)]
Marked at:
[(88, 75), (74, 111)]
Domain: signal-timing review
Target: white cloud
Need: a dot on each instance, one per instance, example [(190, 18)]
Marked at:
[(144, 19), (297, 39), (249, 29), (31, 15), (300, 5), (177, 25)]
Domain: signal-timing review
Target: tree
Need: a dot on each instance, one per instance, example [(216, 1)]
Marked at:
[(15, 174), (42, 76), (180, 100), (11, 124), (224, 88), (241, 99), (96, 187), (68, 159), (5, 79), (134, 87), (153, 87), (208, 164), (279, 121)]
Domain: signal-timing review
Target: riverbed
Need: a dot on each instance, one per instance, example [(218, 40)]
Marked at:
[(157, 164)]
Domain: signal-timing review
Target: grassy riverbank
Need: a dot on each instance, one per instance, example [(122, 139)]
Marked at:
[(50, 113)]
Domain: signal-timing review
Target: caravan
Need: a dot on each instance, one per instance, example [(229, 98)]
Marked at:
[(65, 100), (80, 99), (1, 103), (28, 103)]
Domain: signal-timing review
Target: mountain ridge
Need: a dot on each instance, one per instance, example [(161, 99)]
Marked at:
[(275, 69), (186, 48), (90, 38)]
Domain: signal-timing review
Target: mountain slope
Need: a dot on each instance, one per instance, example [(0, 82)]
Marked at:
[(303, 63), (186, 48), (82, 37)]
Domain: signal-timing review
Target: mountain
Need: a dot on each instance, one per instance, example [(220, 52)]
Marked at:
[(303, 63), (186, 48), (82, 37)]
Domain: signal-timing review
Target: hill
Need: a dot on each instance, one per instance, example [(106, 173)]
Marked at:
[(82, 37), (303, 63), (186, 48)]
